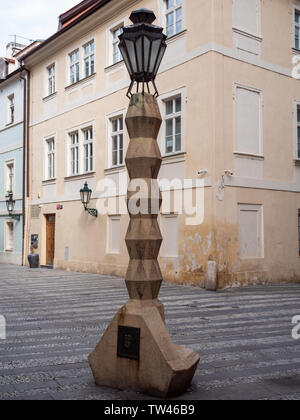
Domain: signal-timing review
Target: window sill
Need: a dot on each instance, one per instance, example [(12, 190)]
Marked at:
[(249, 156), (174, 158), (114, 66), (114, 169), (49, 181), (247, 34), (49, 97), (79, 176), (295, 51), (173, 38), (82, 81), (297, 162)]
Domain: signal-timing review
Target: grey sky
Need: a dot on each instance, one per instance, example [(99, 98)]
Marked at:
[(34, 19)]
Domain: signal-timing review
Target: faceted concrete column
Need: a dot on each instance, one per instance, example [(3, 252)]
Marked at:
[(136, 352)]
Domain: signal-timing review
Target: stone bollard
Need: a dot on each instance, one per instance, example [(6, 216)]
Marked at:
[(211, 275)]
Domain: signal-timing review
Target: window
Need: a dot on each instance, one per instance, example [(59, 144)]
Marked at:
[(10, 176), (250, 220), (74, 67), (116, 54), (89, 58), (170, 233), (173, 135), (247, 16), (114, 234), (50, 145), (117, 141), (51, 80), (248, 121), (297, 29), (88, 150), (74, 155), (11, 109), (174, 17), (9, 236)]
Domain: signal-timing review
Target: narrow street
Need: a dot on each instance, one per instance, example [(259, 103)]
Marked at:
[(55, 318)]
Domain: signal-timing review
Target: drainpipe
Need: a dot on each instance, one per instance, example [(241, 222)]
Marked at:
[(25, 151)]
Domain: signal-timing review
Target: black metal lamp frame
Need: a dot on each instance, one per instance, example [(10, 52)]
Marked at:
[(85, 194), (10, 204)]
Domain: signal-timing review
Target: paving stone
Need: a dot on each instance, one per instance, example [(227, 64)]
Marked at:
[(55, 318)]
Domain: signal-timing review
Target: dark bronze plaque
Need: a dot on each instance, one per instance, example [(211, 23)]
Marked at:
[(129, 343)]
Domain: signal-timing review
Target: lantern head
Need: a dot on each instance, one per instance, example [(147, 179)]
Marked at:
[(85, 194), (10, 204), (142, 46)]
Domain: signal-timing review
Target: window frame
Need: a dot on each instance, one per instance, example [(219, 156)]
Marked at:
[(74, 65), (173, 10), (48, 153), (87, 143), (109, 135), (162, 100), (51, 79), (8, 182), (261, 127), (11, 109), (91, 64), (296, 9), (80, 146), (110, 42)]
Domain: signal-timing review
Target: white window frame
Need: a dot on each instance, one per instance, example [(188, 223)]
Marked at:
[(74, 64), (80, 146), (162, 16), (163, 99), (295, 25), (51, 79), (49, 158), (9, 243), (111, 42), (90, 57), (11, 109), (261, 104), (74, 153), (260, 213), (8, 183), (109, 134), (88, 146)]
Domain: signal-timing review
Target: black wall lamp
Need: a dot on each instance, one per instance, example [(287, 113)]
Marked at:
[(10, 204), (85, 194)]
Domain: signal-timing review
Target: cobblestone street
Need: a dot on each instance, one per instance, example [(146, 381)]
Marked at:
[(54, 320)]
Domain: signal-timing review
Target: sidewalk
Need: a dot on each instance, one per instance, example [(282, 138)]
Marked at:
[(55, 318)]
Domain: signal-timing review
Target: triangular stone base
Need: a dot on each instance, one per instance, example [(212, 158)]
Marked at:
[(163, 369)]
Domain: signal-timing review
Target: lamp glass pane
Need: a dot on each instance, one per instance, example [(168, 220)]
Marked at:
[(131, 54), (139, 51), (125, 58), (160, 57), (147, 45), (154, 53)]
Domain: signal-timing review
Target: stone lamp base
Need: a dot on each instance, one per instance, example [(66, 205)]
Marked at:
[(163, 369)]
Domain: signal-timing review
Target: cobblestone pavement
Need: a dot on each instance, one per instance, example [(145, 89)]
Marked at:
[(55, 318)]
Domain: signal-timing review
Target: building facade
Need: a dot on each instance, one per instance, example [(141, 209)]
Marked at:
[(230, 104), (12, 129)]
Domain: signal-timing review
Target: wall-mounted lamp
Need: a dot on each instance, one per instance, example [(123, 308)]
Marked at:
[(85, 194), (10, 204), (228, 172)]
